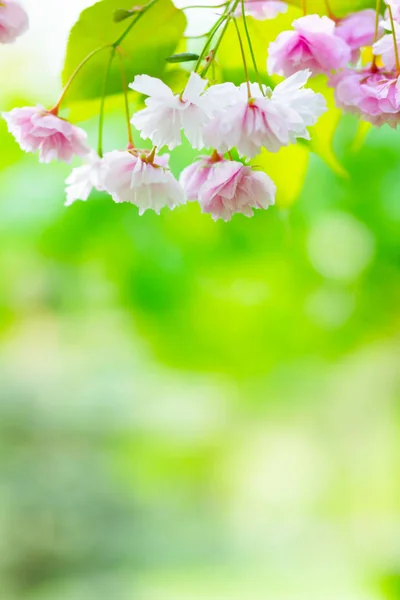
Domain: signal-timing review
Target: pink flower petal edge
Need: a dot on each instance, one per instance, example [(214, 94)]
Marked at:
[(312, 45), (37, 129), (224, 188), (13, 21)]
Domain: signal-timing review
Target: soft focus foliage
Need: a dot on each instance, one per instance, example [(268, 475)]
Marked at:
[(205, 410)]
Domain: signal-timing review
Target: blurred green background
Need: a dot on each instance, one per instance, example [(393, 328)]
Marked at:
[(193, 410)]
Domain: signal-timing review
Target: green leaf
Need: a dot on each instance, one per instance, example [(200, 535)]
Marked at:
[(183, 57), (156, 35), (323, 132)]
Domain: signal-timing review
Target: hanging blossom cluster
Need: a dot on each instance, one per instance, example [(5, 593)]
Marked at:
[(371, 89), (229, 124)]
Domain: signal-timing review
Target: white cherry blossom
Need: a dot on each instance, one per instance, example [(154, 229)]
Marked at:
[(82, 180), (166, 113), (270, 120), (385, 46), (128, 177)]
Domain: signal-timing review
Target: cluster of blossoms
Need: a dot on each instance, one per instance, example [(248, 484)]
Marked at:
[(335, 47), (372, 90), (223, 117), (224, 120)]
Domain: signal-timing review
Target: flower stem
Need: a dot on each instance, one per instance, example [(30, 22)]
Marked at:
[(329, 10), (304, 6), (114, 47), (115, 44), (377, 15), (225, 27), (396, 48), (56, 107), (246, 73), (377, 11), (210, 36), (253, 58), (227, 17), (204, 6), (103, 102), (127, 112), (135, 20)]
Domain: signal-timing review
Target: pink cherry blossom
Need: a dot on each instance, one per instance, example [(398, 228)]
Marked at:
[(373, 95), (128, 177), (234, 188), (312, 45), (195, 175), (248, 125), (166, 113), (308, 104), (270, 120), (357, 30), (262, 10), (13, 21), (35, 128), (82, 180)]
